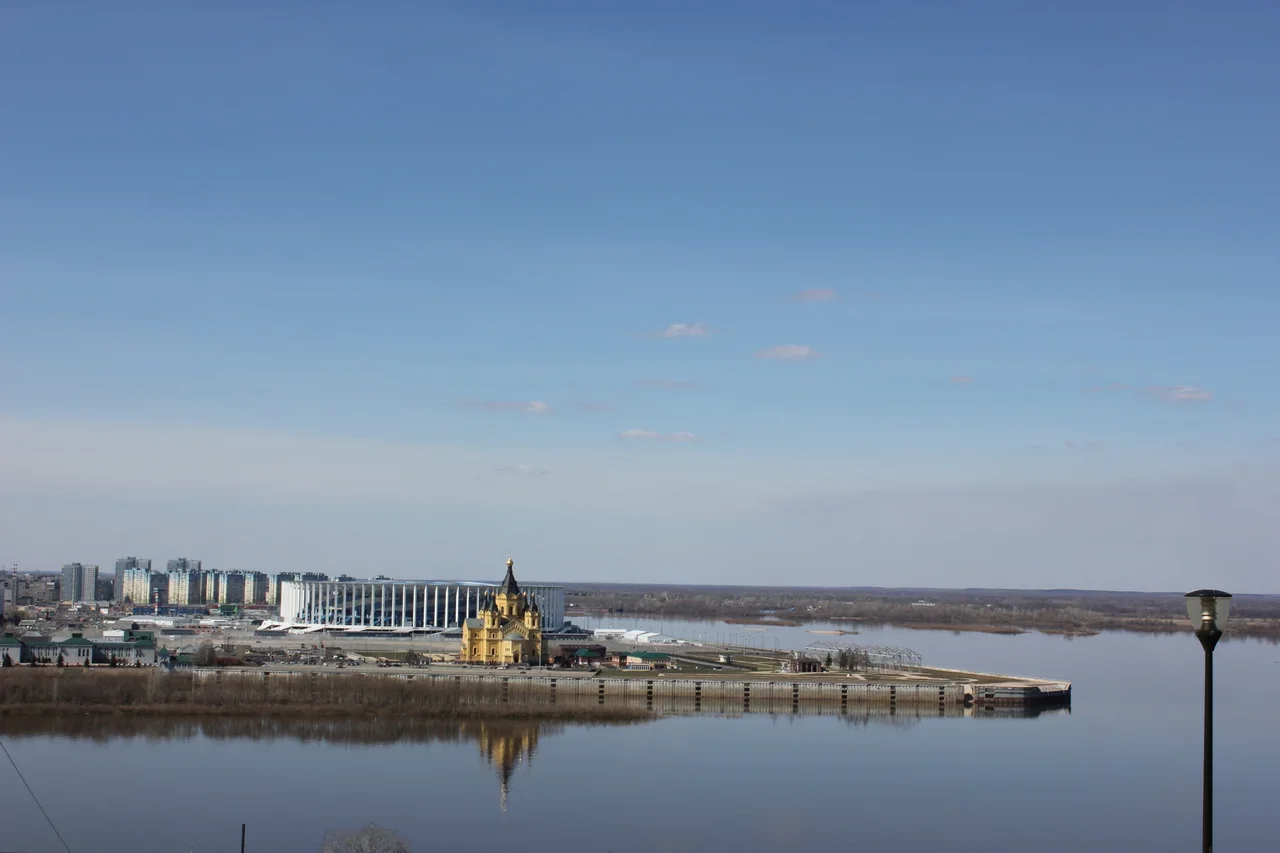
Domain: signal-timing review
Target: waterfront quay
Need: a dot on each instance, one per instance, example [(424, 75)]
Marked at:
[(929, 692)]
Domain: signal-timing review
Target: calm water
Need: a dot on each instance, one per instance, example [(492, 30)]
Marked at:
[(1121, 772)]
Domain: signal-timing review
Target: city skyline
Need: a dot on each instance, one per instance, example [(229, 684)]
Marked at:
[(840, 297)]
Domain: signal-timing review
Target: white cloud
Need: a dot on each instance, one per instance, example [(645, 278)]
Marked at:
[(529, 407), (816, 294), (962, 380), (685, 330), (1185, 394), (788, 352), (650, 435), (523, 470), (91, 491), (110, 461)]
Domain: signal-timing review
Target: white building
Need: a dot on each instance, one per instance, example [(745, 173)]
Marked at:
[(426, 605)]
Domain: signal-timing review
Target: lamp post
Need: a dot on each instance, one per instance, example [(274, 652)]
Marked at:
[(1208, 609)]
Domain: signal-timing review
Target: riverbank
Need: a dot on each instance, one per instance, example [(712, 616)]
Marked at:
[(976, 629), (32, 692), (763, 620), (1072, 613), (259, 693)]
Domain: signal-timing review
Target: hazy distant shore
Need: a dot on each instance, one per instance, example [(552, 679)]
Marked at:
[(1072, 613)]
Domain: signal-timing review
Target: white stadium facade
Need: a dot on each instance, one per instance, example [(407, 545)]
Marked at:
[(400, 606)]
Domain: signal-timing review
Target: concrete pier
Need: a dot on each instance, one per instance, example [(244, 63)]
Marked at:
[(679, 694)]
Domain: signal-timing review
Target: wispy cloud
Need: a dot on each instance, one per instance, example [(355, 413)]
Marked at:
[(529, 407), (668, 384), (1041, 447), (523, 470), (789, 352), (1167, 393), (1183, 394), (962, 380), (650, 435), (816, 294), (684, 330)]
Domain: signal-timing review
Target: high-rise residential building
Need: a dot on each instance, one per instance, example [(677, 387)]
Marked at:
[(231, 588), (211, 587), (79, 582), (186, 587), (137, 584), (124, 590), (159, 592), (255, 588), (182, 564), (186, 583)]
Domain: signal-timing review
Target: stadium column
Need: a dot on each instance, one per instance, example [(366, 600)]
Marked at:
[(413, 615), (435, 607)]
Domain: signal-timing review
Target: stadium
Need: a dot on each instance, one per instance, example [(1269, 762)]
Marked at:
[(397, 606)]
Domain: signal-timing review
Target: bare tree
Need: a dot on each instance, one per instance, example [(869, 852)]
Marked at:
[(370, 839), (205, 655)]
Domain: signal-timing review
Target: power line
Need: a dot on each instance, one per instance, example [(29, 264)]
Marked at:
[(34, 797)]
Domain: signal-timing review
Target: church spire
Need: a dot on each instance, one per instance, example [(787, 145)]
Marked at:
[(509, 585)]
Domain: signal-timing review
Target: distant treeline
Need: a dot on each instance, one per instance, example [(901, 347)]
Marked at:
[(1058, 611)]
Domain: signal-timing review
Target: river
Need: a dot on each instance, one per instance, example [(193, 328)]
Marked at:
[(1120, 772)]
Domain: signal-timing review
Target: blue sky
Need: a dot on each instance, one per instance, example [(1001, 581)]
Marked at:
[(832, 293)]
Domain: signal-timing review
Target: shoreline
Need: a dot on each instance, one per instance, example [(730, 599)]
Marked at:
[(327, 713), (1264, 630), (257, 693)]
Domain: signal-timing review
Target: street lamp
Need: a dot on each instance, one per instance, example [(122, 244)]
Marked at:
[(1208, 609)]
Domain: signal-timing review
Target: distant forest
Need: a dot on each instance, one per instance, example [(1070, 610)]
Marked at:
[(1056, 611)]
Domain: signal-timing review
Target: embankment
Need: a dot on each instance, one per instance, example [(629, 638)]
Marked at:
[(309, 694), (254, 693)]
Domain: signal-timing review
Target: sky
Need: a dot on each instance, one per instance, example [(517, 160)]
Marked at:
[(822, 293)]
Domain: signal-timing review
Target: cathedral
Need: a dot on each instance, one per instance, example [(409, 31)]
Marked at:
[(507, 628)]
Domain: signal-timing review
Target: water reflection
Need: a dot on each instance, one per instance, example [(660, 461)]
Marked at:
[(351, 731), (1117, 776)]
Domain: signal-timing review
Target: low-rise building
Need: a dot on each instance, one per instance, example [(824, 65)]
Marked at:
[(134, 648), (648, 660), (10, 650)]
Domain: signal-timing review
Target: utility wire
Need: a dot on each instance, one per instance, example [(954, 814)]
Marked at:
[(34, 797)]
